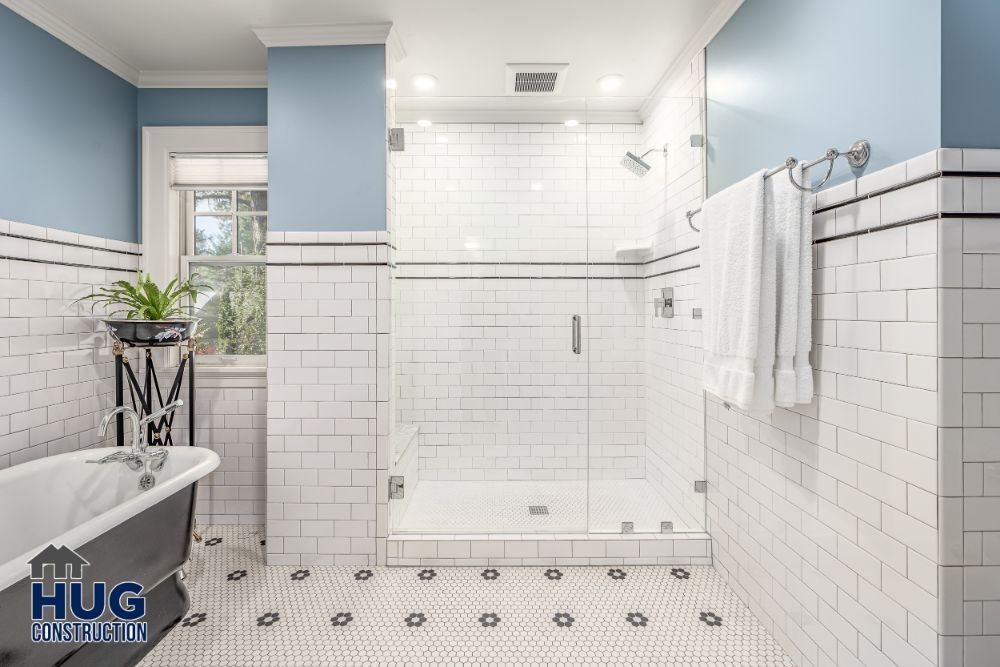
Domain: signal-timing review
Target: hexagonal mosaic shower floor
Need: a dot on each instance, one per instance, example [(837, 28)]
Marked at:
[(243, 613)]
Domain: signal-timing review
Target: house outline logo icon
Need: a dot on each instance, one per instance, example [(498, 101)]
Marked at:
[(63, 562)]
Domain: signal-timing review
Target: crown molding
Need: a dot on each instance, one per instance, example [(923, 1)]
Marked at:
[(709, 29), (64, 32), (324, 35), (206, 79)]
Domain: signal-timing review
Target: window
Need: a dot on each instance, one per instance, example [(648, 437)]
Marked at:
[(225, 232)]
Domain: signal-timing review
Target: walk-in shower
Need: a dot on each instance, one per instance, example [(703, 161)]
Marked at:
[(533, 378)]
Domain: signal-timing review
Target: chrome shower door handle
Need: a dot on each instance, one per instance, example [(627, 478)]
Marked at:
[(576, 334)]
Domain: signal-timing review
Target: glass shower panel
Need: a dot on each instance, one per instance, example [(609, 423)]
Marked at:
[(646, 410), (490, 236)]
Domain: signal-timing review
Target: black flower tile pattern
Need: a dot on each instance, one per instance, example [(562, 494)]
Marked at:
[(236, 575), (602, 617), (268, 619), (490, 574), (263, 542), (708, 618), (489, 620), (637, 619), (616, 574), (213, 541), (193, 620), (426, 575), (563, 620), (299, 575), (342, 618)]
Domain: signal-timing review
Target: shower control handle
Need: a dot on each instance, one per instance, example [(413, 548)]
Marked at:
[(576, 335)]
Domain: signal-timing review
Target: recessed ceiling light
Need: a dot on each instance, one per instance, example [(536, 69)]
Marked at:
[(572, 122), (424, 81), (390, 84), (423, 122), (610, 82)]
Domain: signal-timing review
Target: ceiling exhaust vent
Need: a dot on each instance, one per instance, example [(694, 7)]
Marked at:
[(535, 78)]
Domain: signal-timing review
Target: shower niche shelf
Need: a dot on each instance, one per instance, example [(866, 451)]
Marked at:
[(634, 252)]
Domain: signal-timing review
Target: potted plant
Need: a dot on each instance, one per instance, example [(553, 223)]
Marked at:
[(145, 314)]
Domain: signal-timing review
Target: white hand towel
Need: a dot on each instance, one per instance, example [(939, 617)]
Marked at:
[(732, 258), (803, 369), (783, 202)]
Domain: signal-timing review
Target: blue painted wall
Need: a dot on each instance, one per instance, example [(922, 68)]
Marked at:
[(970, 73), (794, 77), (326, 138), (67, 136), (202, 106)]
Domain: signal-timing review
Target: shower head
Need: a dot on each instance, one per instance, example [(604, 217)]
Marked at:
[(636, 164)]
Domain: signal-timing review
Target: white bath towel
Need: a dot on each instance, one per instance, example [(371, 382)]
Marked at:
[(736, 294), (783, 203), (803, 369)]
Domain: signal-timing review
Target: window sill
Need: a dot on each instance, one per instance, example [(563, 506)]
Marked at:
[(229, 376)]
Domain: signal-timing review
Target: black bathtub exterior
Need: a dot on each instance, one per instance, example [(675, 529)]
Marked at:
[(149, 548)]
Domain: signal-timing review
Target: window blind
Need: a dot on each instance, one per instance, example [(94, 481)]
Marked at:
[(189, 171)]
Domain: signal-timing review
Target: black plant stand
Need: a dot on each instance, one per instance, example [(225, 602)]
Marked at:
[(147, 397)]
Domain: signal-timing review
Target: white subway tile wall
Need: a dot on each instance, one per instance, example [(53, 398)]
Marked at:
[(327, 397), (56, 366), (856, 527)]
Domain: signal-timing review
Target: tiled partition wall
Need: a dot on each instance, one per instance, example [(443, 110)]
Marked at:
[(56, 367), (970, 411), (495, 225), (834, 520), (327, 397), (230, 419)]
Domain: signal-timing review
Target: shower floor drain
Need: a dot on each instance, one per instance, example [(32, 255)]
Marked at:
[(535, 510)]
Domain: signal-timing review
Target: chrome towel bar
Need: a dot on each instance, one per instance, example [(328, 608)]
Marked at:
[(857, 156)]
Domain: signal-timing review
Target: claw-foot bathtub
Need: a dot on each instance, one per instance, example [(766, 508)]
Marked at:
[(125, 534)]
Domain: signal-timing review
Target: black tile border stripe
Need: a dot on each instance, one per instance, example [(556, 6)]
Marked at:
[(646, 263), (886, 190), (72, 245), (79, 266)]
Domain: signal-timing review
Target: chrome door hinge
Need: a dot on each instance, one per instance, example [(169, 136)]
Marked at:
[(701, 486), (396, 487), (397, 139)]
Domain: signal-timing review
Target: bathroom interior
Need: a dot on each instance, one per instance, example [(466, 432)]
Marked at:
[(465, 301)]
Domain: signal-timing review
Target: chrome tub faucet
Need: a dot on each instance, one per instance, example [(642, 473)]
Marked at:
[(139, 456)]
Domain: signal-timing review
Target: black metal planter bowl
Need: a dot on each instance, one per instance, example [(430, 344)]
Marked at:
[(152, 333)]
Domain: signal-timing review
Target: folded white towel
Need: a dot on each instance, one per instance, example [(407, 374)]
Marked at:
[(733, 261), (803, 370), (783, 204)]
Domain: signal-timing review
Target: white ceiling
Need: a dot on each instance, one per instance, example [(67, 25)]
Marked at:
[(464, 43)]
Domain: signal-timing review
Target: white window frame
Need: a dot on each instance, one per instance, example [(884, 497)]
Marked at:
[(187, 205), (163, 236)]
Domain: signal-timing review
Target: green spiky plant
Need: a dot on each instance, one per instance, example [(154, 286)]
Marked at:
[(144, 300)]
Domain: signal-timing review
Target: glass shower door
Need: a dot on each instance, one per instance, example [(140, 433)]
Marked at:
[(490, 235)]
